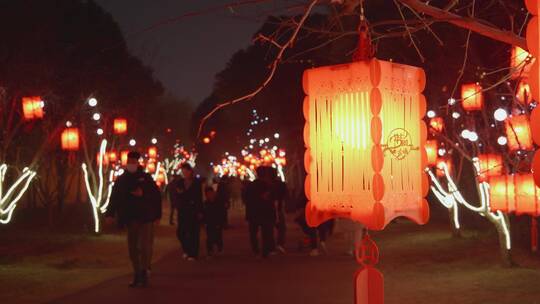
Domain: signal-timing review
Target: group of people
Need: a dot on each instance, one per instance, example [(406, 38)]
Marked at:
[(136, 204)]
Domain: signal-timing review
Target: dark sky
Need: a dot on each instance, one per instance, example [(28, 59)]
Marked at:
[(186, 55)]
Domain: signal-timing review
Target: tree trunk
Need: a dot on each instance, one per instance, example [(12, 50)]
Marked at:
[(456, 232)]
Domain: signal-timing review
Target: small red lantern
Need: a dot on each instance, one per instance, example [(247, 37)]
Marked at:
[(70, 139), (124, 157), (112, 156), (431, 151), (32, 107), (206, 140), (437, 124), (120, 126), (490, 165), (515, 193), (152, 152), (518, 132), (105, 158), (520, 62), (472, 98), (151, 167)]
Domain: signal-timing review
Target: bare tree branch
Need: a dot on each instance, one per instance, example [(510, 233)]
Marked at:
[(273, 69), (472, 24)]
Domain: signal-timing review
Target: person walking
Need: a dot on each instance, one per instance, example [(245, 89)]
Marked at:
[(186, 197), (136, 203), (261, 211), (214, 218), (281, 194)]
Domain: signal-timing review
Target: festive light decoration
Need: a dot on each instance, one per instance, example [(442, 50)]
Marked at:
[(500, 114), (120, 126), (515, 193), (490, 165), (472, 98), (431, 147), (437, 124), (206, 140), (441, 164), (32, 108), (10, 198), (518, 133), (70, 139), (360, 135), (452, 198), (99, 193)]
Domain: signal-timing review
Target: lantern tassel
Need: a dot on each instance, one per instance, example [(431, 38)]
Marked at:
[(365, 50), (368, 281)]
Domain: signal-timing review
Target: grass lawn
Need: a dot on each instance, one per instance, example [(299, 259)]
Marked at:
[(38, 266)]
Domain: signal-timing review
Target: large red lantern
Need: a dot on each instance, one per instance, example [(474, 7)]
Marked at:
[(490, 165), (533, 43), (363, 131), (518, 132), (437, 124), (120, 126), (70, 139), (32, 108), (472, 98), (514, 193)]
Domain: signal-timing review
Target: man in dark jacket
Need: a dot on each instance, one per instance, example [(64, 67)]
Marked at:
[(186, 198), (136, 203), (260, 198)]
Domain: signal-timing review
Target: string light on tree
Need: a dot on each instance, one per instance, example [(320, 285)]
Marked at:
[(132, 142), (92, 102), (500, 114)]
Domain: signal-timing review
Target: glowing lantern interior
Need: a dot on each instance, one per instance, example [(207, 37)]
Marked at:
[(518, 133), (431, 147), (523, 93), (70, 139), (514, 193), (472, 98), (124, 157), (365, 143), (32, 108), (120, 126)]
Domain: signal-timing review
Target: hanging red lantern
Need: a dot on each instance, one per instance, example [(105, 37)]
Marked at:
[(124, 157), (490, 165), (151, 167), (70, 139), (120, 126), (472, 98), (437, 124), (206, 140), (152, 152), (535, 131), (515, 193), (32, 108), (518, 132), (431, 147), (360, 135)]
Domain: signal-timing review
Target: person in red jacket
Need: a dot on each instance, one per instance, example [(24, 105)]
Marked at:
[(136, 203)]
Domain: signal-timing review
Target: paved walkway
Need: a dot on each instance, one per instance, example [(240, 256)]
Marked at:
[(237, 277)]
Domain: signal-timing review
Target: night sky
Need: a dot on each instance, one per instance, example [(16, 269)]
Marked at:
[(186, 55)]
